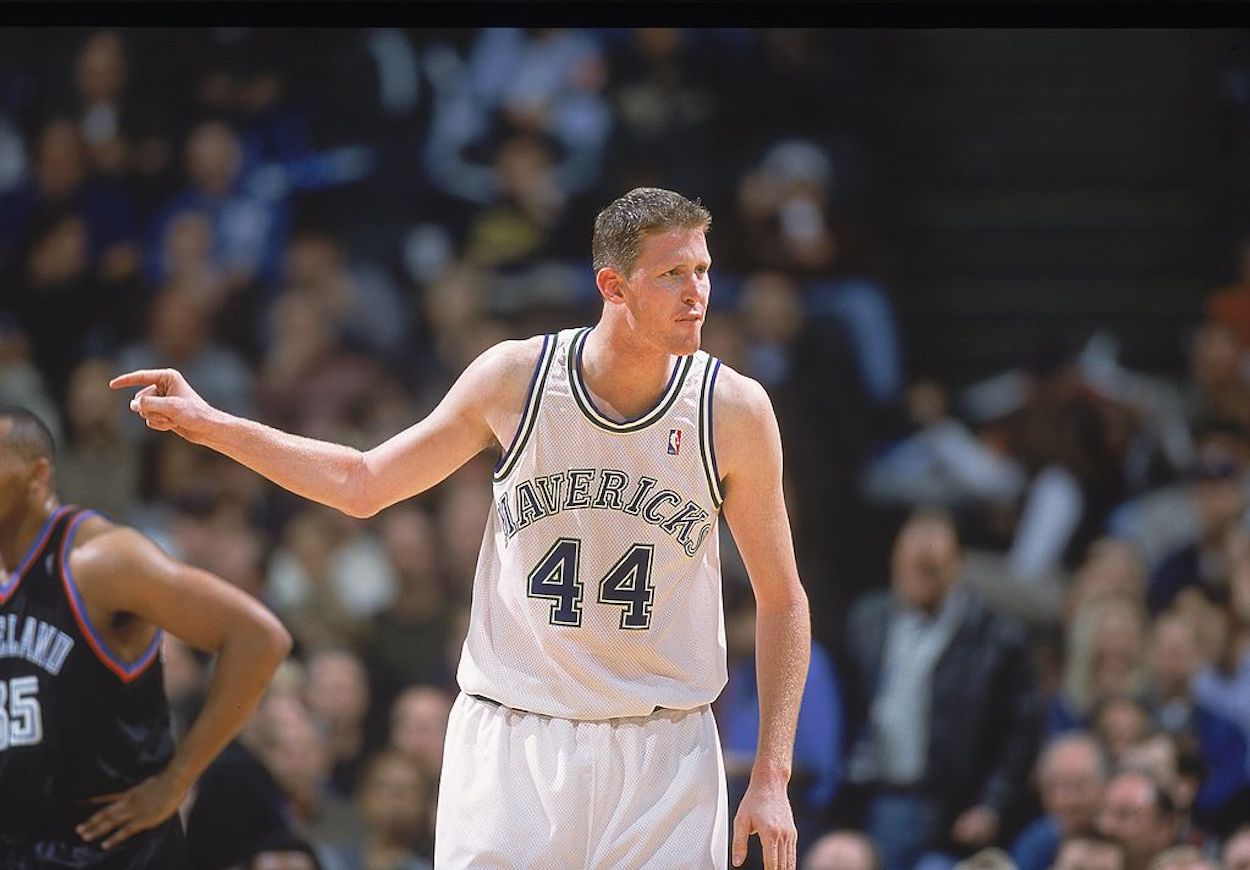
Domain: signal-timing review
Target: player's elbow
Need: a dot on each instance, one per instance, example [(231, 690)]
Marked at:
[(278, 643), (783, 600), (360, 500)]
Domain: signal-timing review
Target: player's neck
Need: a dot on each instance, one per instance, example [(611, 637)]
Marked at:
[(624, 372), (17, 536)]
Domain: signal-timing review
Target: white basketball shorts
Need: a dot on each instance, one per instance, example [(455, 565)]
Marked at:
[(522, 790)]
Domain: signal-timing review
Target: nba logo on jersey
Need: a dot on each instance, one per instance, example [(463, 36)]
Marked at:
[(674, 442)]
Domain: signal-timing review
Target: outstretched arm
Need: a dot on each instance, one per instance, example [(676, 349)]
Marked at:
[(120, 571), (748, 445), (471, 416)]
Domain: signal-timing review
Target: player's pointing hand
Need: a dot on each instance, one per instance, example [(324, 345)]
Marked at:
[(166, 401)]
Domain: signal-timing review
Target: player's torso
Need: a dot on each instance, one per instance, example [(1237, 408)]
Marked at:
[(74, 721), (598, 588)]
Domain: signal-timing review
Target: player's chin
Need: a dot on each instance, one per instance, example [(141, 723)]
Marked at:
[(687, 337)]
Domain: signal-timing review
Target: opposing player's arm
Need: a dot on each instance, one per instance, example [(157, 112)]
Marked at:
[(359, 483), (117, 570), (748, 448)]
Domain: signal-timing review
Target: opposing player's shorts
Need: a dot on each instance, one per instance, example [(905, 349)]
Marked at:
[(159, 848), (522, 790)]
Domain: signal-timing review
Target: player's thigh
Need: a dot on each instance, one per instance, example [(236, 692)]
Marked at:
[(513, 791), (668, 806)]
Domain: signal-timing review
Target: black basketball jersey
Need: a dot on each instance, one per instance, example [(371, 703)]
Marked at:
[(75, 720)]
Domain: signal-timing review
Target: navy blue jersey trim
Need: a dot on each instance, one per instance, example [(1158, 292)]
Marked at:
[(581, 395), (127, 672), (529, 412), (707, 445)]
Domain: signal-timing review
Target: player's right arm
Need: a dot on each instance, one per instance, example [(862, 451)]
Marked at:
[(481, 408)]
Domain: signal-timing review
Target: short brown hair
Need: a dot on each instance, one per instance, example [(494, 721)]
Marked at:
[(621, 227)]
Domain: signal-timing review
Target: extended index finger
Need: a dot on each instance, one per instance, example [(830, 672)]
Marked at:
[(142, 377)]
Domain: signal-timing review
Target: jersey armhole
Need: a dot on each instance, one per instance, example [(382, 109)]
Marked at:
[(707, 446), (127, 672), (530, 413)]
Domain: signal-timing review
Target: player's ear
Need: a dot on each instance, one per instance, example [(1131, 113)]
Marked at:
[(41, 474), (610, 284)]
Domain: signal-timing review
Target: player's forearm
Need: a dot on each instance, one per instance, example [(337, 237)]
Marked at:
[(331, 474), (783, 637), (252, 651)]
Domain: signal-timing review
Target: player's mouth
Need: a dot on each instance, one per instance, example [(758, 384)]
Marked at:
[(691, 318)]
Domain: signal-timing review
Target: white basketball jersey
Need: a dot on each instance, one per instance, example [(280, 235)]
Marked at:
[(598, 587)]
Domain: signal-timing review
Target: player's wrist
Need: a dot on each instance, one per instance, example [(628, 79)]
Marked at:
[(770, 775)]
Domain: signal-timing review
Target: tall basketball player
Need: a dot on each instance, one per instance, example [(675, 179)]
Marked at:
[(89, 773), (583, 735)]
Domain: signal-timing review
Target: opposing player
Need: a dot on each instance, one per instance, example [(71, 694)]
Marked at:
[(583, 735), (89, 774)]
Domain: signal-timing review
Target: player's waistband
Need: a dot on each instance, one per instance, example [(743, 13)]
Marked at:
[(655, 711)]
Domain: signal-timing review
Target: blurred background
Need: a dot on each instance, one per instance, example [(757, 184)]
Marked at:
[(1002, 276)]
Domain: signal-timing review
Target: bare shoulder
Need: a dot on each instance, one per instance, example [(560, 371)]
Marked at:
[(744, 428), (504, 370), (739, 399), (492, 390), (102, 548)]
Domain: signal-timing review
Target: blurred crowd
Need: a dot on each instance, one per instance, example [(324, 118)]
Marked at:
[(1031, 593)]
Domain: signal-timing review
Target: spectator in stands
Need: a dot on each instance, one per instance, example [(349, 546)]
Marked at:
[(659, 93), (946, 714), (1222, 685), (1174, 660), (21, 382), (942, 461), (1088, 850), (1217, 383), (1230, 305), (296, 753), (403, 644), (1176, 764), (462, 506), (395, 812), (817, 770), (240, 808), (250, 227), (1137, 811), (786, 222), (127, 136), (1170, 517), (1182, 858), (549, 82), (1072, 772), (67, 251), (1105, 655), (987, 859), (357, 298), (336, 692), (1112, 568), (843, 850), (419, 726), (100, 465), (1220, 498), (180, 333), (1237, 849), (528, 220), (1119, 721), (329, 575)]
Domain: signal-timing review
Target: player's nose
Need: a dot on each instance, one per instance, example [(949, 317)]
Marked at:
[(695, 291)]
